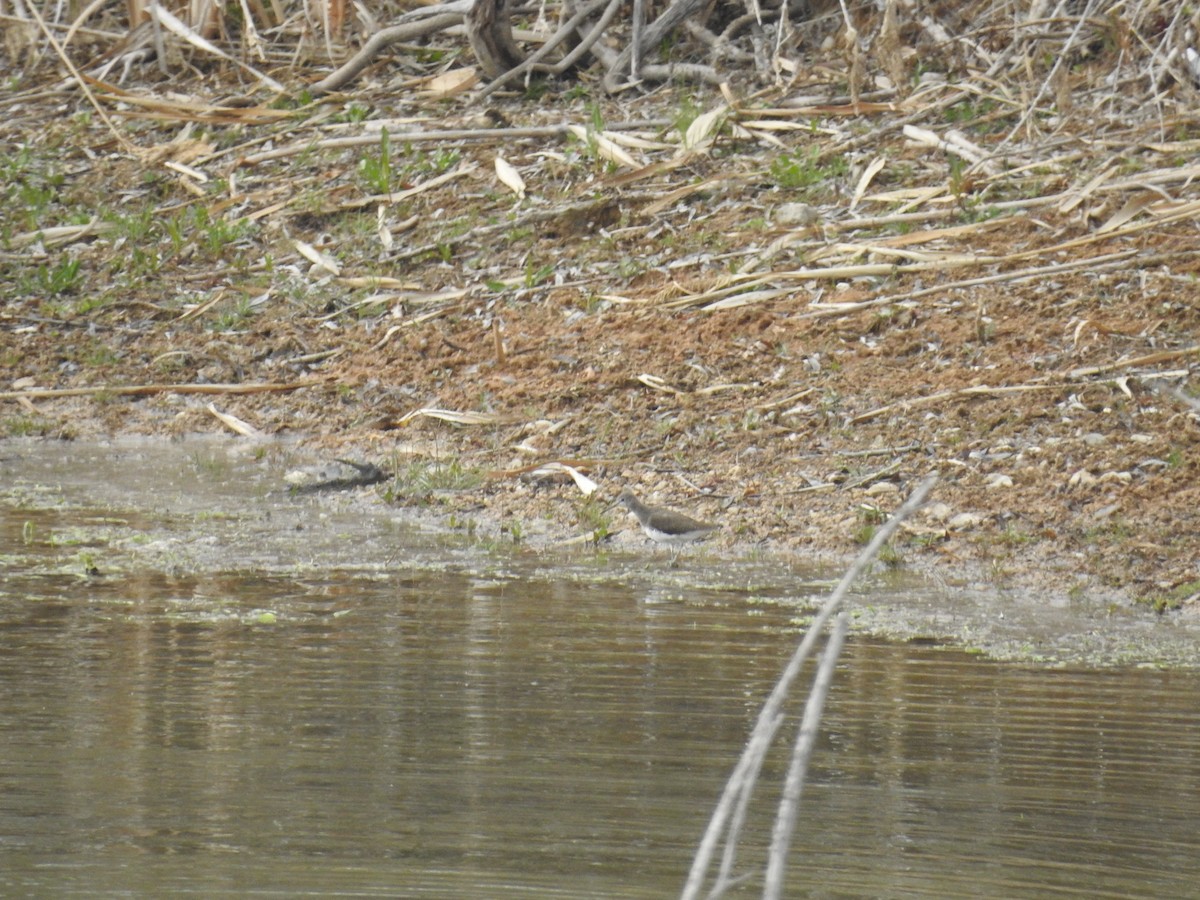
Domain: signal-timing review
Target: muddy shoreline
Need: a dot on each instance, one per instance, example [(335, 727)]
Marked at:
[(200, 507)]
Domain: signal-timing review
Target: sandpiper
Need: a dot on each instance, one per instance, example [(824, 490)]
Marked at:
[(665, 526)]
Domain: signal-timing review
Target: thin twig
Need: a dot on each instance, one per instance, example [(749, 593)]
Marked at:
[(730, 811), (789, 805)]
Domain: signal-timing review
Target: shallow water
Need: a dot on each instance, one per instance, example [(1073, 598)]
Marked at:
[(439, 720)]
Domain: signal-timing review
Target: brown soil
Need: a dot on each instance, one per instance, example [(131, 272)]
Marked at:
[(794, 424)]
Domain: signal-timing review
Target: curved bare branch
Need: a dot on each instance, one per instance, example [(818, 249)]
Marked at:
[(381, 39)]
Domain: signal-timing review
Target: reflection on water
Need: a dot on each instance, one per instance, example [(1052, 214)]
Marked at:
[(1007, 781), (451, 736)]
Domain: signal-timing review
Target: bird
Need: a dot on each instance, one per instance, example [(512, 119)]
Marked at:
[(665, 526)]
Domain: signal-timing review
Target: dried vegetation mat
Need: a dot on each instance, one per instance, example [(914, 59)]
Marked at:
[(773, 264)]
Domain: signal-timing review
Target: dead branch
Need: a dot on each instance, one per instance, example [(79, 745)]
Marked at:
[(125, 390), (426, 21), (488, 25), (651, 36), (730, 813), (564, 32)]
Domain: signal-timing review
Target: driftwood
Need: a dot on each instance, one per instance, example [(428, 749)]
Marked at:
[(364, 475)]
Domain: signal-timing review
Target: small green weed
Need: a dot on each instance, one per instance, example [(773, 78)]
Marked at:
[(395, 166), (686, 114), (376, 171), (429, 55), (535, 275), (210, 464), (971, 112), (802, 170), (133, 226), (1174, 598), (61, 278), (27, 426), (630, 267), (176, 231), (593, 515), (221, 233), (99, 355), (593, 303), (356, 112), (958, 184), (213, 235), (470, 526), (441, 160), (1015, 536), (92, 303), (29, 187), (298, 101), (536, 89), (235, 316), (871, 515), (862, 534)]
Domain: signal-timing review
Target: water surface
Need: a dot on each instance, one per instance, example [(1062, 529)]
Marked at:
[(481, 727)]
